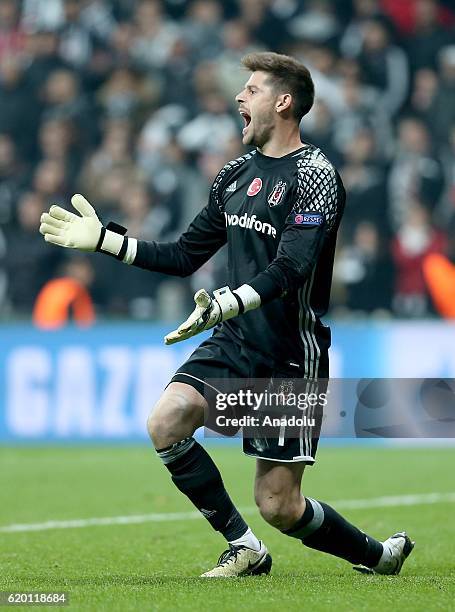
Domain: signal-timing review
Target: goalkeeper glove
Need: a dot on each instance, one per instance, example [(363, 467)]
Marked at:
[(209, 311), (85, 232)]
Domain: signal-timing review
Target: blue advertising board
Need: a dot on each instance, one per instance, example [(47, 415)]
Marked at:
[(100, 384)]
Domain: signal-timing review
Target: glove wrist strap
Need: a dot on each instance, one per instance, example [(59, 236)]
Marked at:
[(233, 303), (249, 298), (228, 303), (113, 241)]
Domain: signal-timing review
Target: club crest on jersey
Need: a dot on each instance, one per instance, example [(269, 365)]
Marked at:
[(255, 187), (307, 219), (277, 193)]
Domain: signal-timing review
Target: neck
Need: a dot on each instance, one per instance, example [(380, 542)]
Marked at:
[(284, 140)]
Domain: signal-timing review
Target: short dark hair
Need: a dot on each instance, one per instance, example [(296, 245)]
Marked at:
[(287, 75)]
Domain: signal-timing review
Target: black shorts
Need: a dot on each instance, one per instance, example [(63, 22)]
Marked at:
[(220, 357)]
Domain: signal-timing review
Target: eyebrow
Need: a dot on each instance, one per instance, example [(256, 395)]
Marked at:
[(251, 87)]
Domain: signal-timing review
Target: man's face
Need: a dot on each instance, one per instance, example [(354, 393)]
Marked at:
[(257, 107)]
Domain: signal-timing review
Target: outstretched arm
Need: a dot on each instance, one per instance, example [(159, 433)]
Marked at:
[(206, 234)]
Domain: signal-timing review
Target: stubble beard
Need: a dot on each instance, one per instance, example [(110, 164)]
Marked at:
[(261, 133)]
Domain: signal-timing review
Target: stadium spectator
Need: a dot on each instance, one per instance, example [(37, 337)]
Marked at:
[(444, 114), (76, 41), (364, 178), (11, 179), (266, 22), (384, 66), (18, 108), (38, 15), (424, 97), (12, 35), (317, 23), (143, 214), (57, 141), (428, 35), (3, 275), (177, 86), (360, 112), (353, 36), (66, 298), (114, 153), (212, 127), (126, 94), (322, 62), (120, 43), (237, 42), (155, 35), (50, 180), (415, 171), (366, 270), (63, 99), (43, 59), (202, 29), (98, 18), (448, 156), (28, 262), (415, 240), (319, 128)]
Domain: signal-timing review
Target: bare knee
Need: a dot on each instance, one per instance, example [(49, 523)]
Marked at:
[(277, 493), (177, 414), (160, 431), (280, 509)]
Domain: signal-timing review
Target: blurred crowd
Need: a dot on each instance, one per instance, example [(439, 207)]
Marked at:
[(131, 102)]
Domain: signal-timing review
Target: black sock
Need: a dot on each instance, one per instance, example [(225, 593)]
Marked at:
[(322, 528), (195, 474)]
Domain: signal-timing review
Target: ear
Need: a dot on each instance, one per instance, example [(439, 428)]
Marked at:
[(283, 103)]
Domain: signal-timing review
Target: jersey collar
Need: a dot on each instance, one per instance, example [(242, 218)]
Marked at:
[(264, 161)]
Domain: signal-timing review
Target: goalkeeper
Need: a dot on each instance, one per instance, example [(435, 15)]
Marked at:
[(278, 208)]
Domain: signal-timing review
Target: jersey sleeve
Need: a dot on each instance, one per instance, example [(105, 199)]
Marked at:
[(314, 216), (205, 235)]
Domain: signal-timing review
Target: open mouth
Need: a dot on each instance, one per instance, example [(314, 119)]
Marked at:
[(246, 120)]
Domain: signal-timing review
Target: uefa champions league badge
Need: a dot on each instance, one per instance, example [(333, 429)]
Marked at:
[(277, 193), (307, 219)]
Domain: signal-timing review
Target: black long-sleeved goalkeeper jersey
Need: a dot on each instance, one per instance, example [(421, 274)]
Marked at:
[(279, 217)]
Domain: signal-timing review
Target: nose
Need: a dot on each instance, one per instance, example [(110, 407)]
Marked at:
[(240, 97)]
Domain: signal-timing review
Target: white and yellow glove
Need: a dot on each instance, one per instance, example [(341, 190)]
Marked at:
[(85, 232), (209, 311)]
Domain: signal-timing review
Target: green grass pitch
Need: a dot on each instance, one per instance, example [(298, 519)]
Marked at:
[(154, 565)]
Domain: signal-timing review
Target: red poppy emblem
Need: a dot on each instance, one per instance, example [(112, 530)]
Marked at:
[(255, 187)]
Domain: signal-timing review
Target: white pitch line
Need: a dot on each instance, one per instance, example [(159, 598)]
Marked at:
[(107, 520), (344, 504), (396, 500)]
